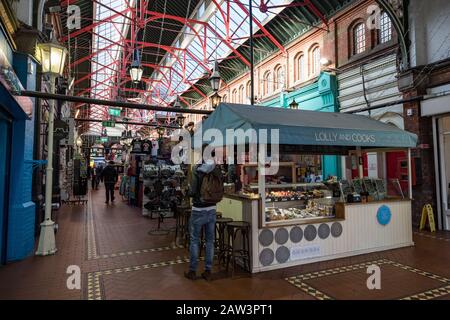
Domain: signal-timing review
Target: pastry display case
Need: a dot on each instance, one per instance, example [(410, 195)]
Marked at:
[(297, 203)]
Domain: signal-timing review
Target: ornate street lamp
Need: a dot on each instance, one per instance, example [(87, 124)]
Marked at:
[(215, 100), (180, 120), (215, 78), (293, 105), (52, 57)]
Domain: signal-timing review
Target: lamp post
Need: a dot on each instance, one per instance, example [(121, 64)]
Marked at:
[(52, 57)]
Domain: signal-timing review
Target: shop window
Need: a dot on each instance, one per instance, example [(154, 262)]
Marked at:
[(299, 65), (385, 31), (315, 60), (359, 38)]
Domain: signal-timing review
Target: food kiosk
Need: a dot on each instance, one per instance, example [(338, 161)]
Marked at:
[(308, 221)]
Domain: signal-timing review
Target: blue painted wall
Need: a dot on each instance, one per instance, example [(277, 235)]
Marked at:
[(21, 211), (320, 95), (21, 220)]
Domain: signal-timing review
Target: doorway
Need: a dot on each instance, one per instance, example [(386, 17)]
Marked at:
[(5, 156), (444, 150)]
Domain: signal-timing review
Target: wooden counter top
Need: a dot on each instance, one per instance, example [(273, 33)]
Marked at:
[(237, 196)]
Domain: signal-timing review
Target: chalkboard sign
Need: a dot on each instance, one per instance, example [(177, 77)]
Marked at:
[(357, 185)]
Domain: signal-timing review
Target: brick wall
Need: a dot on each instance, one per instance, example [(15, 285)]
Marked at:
[(424, 191)]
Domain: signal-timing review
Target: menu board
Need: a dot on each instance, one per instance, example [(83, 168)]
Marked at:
[(357, 185), (346, 188), (369, 186), (381, 188)]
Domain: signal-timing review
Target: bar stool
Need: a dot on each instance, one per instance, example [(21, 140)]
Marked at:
[(185, 227), (233, 253), (180, 229), (221, 225)]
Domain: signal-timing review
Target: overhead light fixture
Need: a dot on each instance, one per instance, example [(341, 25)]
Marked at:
[(136, 69), (215, 100), (293, 104), (215, 77)]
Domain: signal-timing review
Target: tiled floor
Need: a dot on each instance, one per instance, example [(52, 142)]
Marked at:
[(119, 259)]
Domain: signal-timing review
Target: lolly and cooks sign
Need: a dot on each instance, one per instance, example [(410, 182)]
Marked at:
[(323, 136)]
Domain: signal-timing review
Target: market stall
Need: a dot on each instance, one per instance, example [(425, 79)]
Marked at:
[(299, 219)]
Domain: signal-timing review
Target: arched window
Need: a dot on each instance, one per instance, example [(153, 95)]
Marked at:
[(314, 60), (248, 90), (299, 65), (359, 38), (278, 81), (234, 96), (385, 31), (225, 98), (241, 94), (267, 88)]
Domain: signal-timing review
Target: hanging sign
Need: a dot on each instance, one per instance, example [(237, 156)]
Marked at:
[(114, 112), (108, 124)]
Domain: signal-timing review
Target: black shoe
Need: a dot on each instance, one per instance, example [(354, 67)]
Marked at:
[(191, 275), (207, 275), (107, 202)]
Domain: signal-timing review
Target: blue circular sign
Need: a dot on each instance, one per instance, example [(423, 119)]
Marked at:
[(384, 215)]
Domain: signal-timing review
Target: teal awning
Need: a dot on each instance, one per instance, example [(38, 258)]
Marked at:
[(300, 127)]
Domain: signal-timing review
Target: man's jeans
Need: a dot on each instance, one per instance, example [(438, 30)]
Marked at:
[(109, 188), (197, 221)]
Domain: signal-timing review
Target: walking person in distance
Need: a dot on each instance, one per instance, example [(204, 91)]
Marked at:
[(109, 177)]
